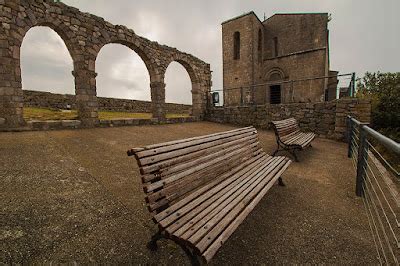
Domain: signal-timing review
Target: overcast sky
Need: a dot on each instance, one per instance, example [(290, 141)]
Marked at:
[(364, 36)]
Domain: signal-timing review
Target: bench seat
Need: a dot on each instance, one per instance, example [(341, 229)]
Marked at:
[(289, 137), (199, 190)]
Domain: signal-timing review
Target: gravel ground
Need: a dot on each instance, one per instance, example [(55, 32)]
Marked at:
[(74, 196)]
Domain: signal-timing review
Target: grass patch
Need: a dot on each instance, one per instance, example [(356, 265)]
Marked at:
[(43, 114), (108, 115)]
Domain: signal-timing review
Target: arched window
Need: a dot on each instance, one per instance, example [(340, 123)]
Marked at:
[(236, 45)]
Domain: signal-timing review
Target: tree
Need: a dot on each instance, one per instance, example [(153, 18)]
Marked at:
[(383, 89)]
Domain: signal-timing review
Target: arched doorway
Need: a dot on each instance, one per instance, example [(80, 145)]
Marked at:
[(275, 92), (46, 76)]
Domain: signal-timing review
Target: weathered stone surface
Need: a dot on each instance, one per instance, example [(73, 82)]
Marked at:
[(68, 101), (281, 48), (84, 35), (71, 123), (322, 118)]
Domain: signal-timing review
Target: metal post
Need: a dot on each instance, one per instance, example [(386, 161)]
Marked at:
[(361, 161), (353, 84), (349, 135), (241, 96), (252, 88)]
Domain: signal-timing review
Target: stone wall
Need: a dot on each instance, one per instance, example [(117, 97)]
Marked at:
[(67, 101), (84, 35), (326, 119)]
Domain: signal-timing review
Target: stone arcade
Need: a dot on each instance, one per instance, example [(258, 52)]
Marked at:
[(84, 35)]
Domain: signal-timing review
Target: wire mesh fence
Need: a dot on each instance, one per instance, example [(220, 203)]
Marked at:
[(377, 182)]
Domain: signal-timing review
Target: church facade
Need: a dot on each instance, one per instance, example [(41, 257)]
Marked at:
[(279, 60)]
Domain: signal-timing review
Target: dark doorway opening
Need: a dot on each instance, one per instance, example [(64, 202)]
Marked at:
[(275, 95)]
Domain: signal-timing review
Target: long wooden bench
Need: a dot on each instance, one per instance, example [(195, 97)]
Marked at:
[(290, 138), (199, 190)]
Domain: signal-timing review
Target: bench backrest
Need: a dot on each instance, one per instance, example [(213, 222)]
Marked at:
[(285, 127), (172, 170)]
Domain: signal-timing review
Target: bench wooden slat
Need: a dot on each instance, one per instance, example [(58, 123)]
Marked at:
[(295, 138), (162, 215), (213, 191), (213, 248), (195, 180), (153, 146), (234, 210), (183, 158), (168, 148), (196, 159), (196, 231), (212, 200), (189, 149), (224, 155)]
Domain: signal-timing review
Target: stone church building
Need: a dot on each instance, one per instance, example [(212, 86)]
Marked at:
[(277, 60)]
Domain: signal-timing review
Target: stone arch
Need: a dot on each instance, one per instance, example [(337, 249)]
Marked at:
[(150, 65), (194, 79), (53, 24), (53, 32), (129, 72), (84, 34), (65, 33), (275, 74), (277, 90)]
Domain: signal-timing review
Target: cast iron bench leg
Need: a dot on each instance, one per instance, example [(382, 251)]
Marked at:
[(152, 245), (280, 182)]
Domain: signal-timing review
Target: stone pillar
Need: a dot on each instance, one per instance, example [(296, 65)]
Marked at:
[(86, 99), (11, 99), (158, 100), (197, 101)]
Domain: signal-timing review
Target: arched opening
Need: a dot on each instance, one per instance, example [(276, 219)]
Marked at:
[(122, 76), (275, 90), (46, 73), (178, 90)]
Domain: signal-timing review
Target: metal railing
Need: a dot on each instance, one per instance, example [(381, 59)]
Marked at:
[(377, 182), (288, 91)]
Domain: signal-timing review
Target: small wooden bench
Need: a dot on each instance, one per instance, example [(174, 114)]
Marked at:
[(199, 190), (289, 137)]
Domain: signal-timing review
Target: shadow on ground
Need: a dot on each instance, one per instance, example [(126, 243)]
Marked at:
[(74, 196)]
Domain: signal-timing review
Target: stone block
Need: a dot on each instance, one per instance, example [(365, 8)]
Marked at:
[(71, 123)]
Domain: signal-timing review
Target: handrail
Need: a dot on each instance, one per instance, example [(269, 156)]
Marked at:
[(385, 141)]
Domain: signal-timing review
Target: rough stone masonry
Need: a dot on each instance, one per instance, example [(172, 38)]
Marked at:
[(84, 35)]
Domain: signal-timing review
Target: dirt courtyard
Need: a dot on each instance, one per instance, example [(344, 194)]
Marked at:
[(75, 196)]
